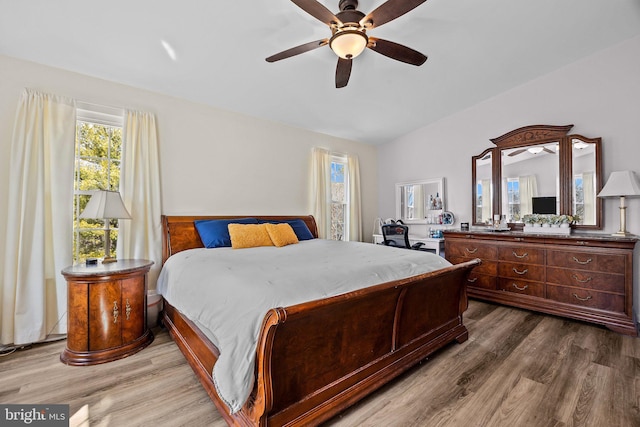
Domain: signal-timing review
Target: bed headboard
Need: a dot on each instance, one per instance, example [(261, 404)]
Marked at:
[(179, 233)]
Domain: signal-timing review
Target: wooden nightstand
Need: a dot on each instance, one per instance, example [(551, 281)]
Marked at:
[(106, 311)]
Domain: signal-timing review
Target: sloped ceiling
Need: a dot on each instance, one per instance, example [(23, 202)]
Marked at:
[(476, 48)]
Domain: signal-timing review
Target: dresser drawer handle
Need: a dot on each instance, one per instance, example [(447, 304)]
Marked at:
[(471, 251), (127, 310), (524, 255), (577, 279), (520, 272), (519, 239), (475, 279), (519, 288), (580, 298), (115, 312), (582, 262)]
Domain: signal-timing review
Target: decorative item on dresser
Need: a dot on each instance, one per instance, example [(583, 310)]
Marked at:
[(584, 277), (107, 311)]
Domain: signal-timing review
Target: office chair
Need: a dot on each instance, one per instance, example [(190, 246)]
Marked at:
[(397, 235)]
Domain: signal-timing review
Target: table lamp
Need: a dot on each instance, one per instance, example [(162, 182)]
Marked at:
[(621, 184), (106, 205)]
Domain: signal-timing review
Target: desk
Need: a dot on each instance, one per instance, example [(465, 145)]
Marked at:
[(429, 243)]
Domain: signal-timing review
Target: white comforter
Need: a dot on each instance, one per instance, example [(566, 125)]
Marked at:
[(227, 292)]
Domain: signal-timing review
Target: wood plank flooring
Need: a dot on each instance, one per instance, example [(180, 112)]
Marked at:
[(518, 368)]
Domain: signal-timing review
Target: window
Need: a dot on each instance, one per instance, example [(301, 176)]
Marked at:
[(339, 198), (98, 153), (513, 199), (578, 195)]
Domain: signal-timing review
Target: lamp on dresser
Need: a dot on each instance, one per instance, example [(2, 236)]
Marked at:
[(107, 205), (621, 184)]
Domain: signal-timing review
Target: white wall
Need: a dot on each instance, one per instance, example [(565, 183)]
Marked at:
[(212, 161), (600, 95)]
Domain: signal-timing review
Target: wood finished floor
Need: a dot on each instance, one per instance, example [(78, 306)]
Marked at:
[(518, 368)]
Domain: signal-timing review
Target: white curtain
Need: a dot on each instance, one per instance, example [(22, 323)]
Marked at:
[(355, 209), (321, 190), (321, 194), (39, 219), (589, 194), (528, 189), (141, 236)]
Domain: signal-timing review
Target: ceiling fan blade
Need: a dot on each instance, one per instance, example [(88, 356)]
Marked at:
[(343, 72), (396, 51), (515, 153), (389, 11), (548, 150), (297, 50), (318, 11)]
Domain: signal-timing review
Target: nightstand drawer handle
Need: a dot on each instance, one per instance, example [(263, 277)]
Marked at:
[(115, 312), (471, 251), (577, 279), (128, 309), (519, 288), (524, 255), (472, 280), (582, 299), (582, 262), (520, 272)]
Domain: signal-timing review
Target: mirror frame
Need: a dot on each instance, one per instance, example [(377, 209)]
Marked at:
[(399, 185), (536, 135)]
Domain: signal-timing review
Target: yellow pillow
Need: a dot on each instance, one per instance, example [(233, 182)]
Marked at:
[(249, 235), (281, 234)]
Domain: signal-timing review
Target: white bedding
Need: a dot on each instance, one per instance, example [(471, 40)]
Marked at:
[(227, 292)]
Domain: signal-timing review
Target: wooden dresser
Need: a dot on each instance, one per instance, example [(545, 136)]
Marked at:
[(107, 311), (584, 277)]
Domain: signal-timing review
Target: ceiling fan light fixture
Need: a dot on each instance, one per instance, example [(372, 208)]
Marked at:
[(535, 150), (348, 44)]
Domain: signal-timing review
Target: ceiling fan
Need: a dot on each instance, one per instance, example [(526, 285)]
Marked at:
[(532, 150), (349, 38)]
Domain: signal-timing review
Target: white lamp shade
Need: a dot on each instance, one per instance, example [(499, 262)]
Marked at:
[(621, 183), (348, 44), (105, 204)]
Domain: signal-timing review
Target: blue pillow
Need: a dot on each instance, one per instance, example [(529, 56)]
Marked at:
[(298, 225), (214, 233)]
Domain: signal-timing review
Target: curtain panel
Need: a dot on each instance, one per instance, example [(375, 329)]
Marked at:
[(321, 193), (141, 237), (39, 219)]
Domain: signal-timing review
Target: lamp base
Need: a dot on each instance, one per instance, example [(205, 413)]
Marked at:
[(623, 234), (108, 260)]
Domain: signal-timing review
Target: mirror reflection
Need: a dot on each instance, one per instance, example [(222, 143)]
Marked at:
[(417, 201), (530, 183), (584, 180), (483, 189)]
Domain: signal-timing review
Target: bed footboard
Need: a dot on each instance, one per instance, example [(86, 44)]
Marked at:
[(316, 359)]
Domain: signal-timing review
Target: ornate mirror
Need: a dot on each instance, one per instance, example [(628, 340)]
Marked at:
[(539, 169), (417, 201)]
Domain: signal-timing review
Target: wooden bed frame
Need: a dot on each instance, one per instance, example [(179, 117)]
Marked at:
[(317, 358)]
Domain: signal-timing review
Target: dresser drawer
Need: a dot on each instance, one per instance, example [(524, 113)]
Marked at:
[(586, 298), (471, 249), (524, 287), (521, 254), (487, 267), (607, 263), (586, 279), (481, 281), (521, 271)]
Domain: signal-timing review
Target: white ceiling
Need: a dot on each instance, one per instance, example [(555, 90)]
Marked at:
[(476, 49)]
